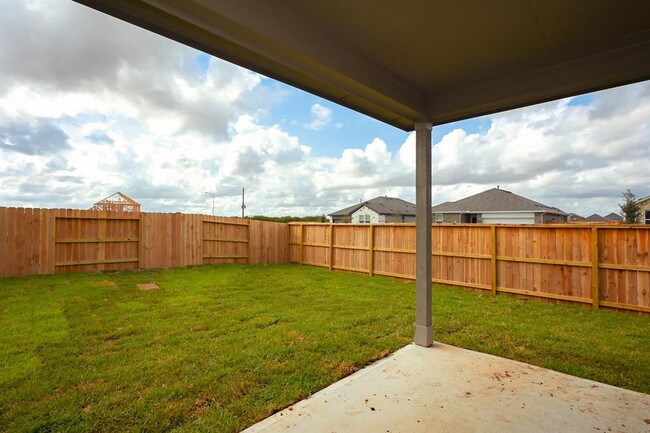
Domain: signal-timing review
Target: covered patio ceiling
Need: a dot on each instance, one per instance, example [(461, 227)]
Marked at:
[(412, 61)]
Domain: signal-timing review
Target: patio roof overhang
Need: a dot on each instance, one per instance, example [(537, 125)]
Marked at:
[(416, 63), (418, 60)]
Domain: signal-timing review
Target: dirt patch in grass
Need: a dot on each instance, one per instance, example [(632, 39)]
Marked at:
[(297, 337), (105, 283), (201, 406), (145, 287), (345, 368)]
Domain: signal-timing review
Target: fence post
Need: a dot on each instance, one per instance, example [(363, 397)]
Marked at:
[(300, 255), (595, 282), (493, 259), (140, 242), (248, 242), (371, 257), (331, 246), (288, 255)]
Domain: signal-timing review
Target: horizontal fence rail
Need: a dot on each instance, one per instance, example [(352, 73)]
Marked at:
[(597, 265), (48, 241)]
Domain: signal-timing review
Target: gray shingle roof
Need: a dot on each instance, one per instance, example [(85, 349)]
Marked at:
[(495, 200), (382, 205), (595, 218)]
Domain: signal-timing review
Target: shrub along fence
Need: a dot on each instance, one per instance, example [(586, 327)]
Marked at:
[(48, 241), (598, 265)]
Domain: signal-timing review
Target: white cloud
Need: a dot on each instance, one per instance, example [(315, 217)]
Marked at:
[(321, 117)]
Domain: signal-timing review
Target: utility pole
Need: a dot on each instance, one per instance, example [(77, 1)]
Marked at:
[(213, 196), (243, 205)]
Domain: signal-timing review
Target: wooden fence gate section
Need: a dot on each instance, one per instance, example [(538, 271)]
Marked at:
[(226, 242), (91, 243)]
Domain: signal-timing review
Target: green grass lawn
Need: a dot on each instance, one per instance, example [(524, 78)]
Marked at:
[(218, 348)]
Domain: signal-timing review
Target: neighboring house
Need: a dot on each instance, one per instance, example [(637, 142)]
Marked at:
[(644, 204), (575, 218), (497, 206), (376, 211)]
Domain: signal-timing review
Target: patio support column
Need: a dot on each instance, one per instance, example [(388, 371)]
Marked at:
[(423, 323)]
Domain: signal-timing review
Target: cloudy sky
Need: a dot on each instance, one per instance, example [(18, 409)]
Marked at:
[(90, 105)]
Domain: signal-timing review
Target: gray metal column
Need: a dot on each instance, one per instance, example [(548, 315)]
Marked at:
[(423, 324)]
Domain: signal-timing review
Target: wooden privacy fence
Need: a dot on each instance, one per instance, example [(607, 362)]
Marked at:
[(597, 265), (47, 241)]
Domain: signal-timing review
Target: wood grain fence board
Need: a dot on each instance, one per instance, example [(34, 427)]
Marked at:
[(330, 259), (269, 242), (544, 295), (20, 236), (218, 236), (5, 270), (14, 241), (494, 279), (301, 240), (621, 306), (22, 240), (34, 241), (51, 237)]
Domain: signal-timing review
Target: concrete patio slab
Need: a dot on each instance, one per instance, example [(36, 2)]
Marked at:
[(447, 389)]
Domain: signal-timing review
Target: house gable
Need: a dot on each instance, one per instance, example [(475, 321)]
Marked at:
[(365, 215)]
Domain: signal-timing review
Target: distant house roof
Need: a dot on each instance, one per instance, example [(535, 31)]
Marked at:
[(643, 200), (382, 205), (595, 218), (495, 200), (613, 217), (117, 202)]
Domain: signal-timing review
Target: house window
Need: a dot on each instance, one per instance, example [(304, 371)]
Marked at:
[(439, 218), (469, 218), (647, 217), (364, 219)]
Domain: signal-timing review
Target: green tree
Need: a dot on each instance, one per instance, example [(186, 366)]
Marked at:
[(630, 209), (287, 218)]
